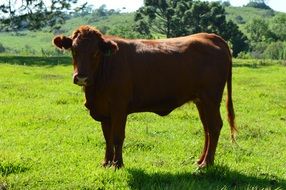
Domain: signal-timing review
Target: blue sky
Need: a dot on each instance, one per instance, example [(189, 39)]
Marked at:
[(132, 5)]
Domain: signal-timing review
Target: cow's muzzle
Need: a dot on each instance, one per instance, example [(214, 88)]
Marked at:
[(80, 80)]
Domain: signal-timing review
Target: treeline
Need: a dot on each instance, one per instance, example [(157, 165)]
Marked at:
[(267, 39)]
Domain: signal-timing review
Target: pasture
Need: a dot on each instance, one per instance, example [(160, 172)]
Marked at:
[(49, 141)]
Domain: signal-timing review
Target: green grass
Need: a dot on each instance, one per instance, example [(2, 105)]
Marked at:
[(27, 42), (49, 141)]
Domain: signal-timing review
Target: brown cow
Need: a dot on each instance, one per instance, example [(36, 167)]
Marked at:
[(122, 76)]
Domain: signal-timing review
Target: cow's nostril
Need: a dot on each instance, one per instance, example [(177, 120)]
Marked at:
[(75, 80), (80, 80)]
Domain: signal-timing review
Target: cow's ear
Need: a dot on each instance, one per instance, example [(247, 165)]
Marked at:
[(62, 42), (108, 47)]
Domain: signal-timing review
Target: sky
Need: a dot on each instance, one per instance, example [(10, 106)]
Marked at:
[(133, 5)]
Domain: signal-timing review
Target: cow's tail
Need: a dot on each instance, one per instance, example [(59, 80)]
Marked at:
[(229, 104)]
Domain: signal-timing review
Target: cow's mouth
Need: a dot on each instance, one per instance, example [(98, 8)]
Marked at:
[(81, 83)]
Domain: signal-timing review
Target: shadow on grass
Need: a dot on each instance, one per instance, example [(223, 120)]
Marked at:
[(217, 177), (35, 60), (9, 168), (66, 60)]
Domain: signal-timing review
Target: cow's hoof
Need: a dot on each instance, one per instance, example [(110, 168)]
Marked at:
[(107, 164), (202, 165), (200, 161), (205, 164), (117, 164)]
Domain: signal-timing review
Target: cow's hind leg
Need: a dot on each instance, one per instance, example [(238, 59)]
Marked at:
[(203, 119), (109, 149), (209, 110)]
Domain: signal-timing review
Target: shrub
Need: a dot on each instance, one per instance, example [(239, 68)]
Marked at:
[(257, 49), (53, 52), (276, 50), (244, 55), (27, 50), (239, 19), (2, 48)]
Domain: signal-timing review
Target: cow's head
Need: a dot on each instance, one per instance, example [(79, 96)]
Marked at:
[(87, 45)]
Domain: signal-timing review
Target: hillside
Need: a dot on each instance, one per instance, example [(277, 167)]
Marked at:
[(243, 15), (248, 13)]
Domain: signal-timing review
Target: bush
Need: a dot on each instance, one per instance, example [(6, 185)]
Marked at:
[(244, 55), (2, 48), (263, 50), (239, 19), (50, 53), (276, 50), (258, 49), (28, 50)]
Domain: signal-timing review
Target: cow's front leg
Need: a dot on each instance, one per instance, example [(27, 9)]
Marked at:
[(118, 121), (109, 149)]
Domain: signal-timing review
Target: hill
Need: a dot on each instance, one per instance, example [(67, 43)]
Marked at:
[(243, 15)]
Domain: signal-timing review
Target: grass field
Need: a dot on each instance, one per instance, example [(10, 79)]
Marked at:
[(49, 141)]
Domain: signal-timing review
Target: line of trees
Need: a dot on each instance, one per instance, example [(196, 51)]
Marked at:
[(268, 38)]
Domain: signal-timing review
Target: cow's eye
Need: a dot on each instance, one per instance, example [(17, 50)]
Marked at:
[(95, 54)]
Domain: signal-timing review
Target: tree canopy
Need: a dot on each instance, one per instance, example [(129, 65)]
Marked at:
[(33, 14), (182, 17)]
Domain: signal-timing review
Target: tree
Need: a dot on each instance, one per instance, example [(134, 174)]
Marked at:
[(84, 10), (277, 26), (183, 17), (259, 31), (160, 13), (101, 13), (225, 4), (33, 14), (261, 4), (238, 40)]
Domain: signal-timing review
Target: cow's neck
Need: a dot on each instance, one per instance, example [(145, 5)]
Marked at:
[(99, 85)]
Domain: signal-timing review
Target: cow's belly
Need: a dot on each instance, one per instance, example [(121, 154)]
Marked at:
[(161, 105)]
